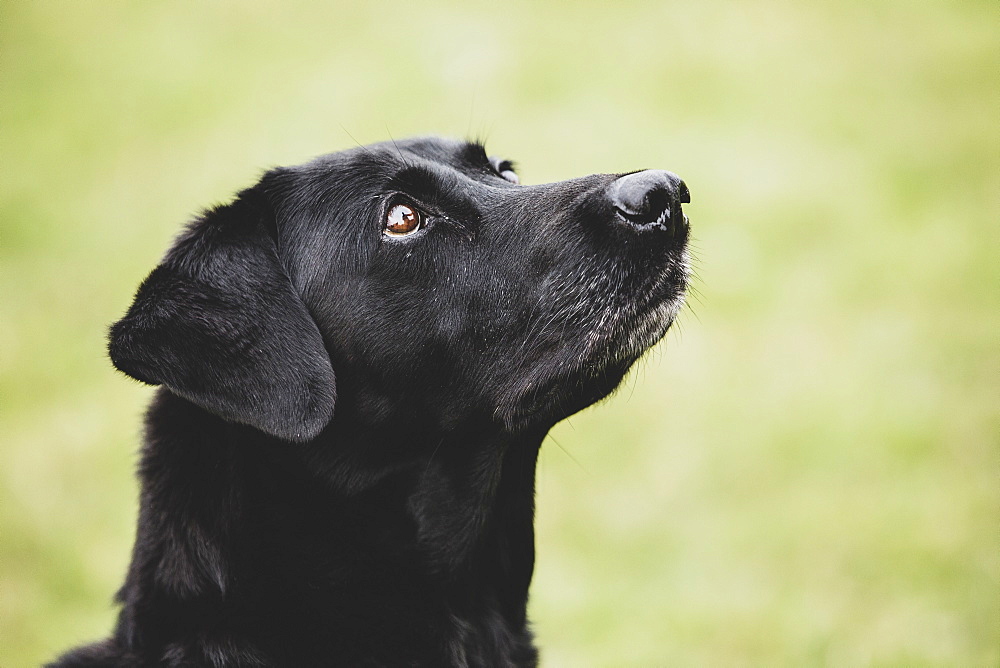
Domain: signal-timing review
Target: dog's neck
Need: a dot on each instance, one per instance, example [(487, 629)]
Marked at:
[(466, 506), (463, 487), (437, 532)]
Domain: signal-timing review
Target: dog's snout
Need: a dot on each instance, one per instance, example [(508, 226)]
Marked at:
[(650, 198)]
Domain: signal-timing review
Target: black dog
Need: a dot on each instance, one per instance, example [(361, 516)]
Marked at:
[(360, 357)]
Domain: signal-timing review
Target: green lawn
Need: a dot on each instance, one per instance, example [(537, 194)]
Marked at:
[(806, 471)]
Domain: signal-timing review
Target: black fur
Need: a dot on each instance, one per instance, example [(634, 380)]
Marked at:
[(397, 529)]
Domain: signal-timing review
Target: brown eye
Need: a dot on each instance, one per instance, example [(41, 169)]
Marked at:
[(403, 220)]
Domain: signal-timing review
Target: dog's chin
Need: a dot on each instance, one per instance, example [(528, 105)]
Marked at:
[(648, 328), (630, 331), (583, 377)]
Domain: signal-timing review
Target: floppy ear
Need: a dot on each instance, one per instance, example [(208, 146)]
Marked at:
[(219, 323)]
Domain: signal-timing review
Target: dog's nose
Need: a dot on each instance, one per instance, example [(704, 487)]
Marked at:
[(650, 199)]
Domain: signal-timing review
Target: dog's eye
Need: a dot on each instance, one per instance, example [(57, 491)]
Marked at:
[(403, 220)]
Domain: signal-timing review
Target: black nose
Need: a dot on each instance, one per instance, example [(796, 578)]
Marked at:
[(651, 198)]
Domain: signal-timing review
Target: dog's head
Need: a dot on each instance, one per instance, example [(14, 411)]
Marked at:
[(422, 282)]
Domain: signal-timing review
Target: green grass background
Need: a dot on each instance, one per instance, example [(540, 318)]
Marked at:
[(806, 471)]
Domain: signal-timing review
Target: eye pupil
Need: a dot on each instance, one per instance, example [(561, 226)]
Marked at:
[(402, 220)]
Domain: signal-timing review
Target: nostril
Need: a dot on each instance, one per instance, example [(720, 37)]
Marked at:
[(648, 197), (639, 196)]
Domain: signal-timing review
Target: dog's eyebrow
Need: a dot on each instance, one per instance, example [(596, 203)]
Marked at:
[(440, 191), (474, 153)]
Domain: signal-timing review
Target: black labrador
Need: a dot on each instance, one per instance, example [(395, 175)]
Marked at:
[(360, 357)]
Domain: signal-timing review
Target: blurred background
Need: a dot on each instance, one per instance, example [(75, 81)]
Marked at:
[(805, 472)]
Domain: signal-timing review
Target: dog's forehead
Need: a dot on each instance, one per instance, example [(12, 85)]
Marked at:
[(464, 156), (438, 149)]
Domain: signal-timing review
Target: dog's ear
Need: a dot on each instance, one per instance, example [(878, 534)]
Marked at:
[(220, 324)]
